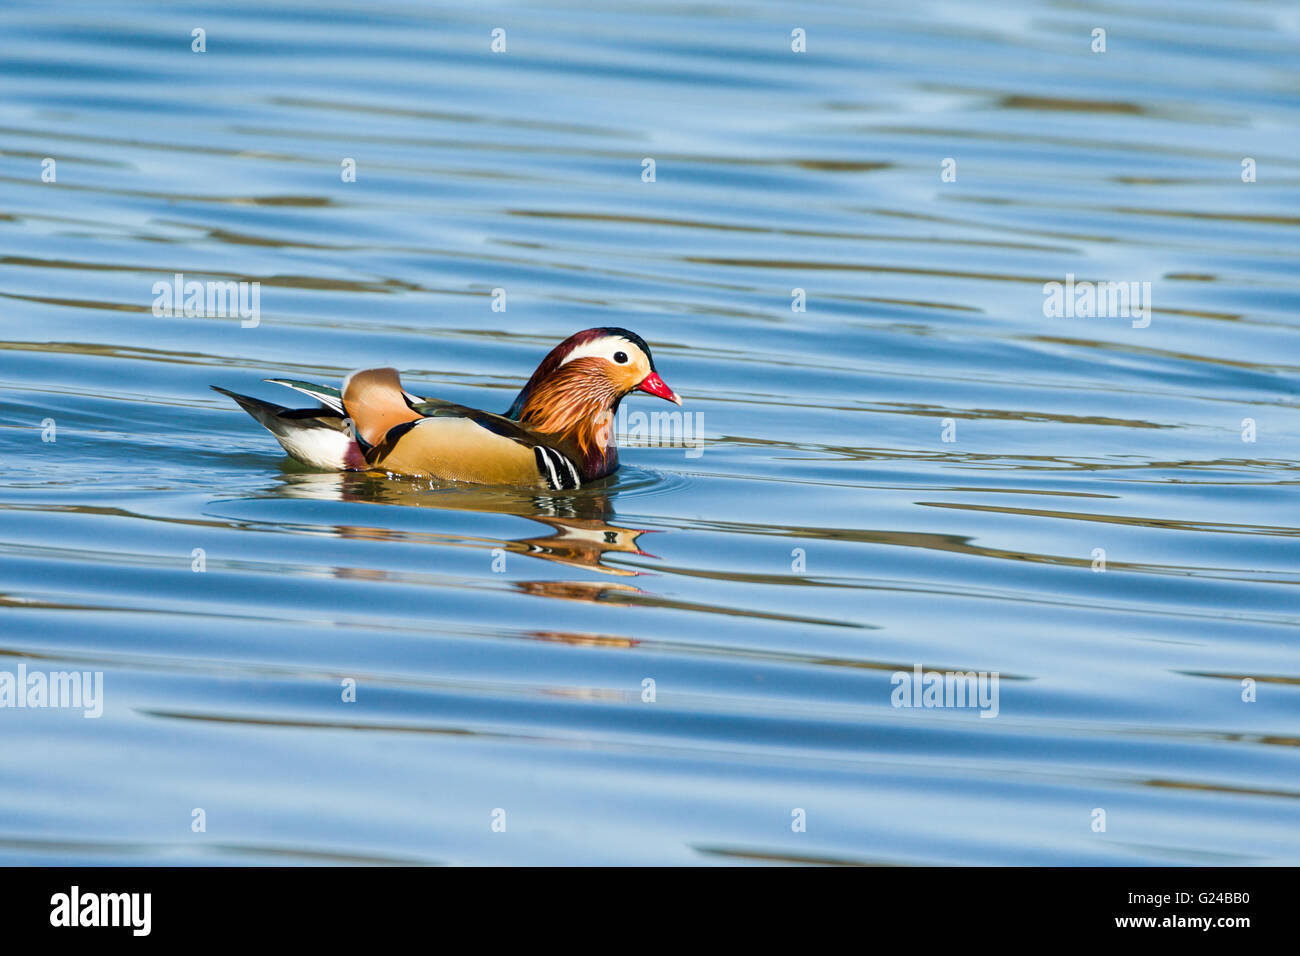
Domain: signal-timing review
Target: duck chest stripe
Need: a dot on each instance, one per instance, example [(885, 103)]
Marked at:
[(546, 468), (555, 468), (573, 474)]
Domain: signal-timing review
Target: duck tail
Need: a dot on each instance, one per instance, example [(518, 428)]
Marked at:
[(266, 413), (315, 437)]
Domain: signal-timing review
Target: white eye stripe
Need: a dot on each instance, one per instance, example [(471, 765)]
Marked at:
[(601, 348)]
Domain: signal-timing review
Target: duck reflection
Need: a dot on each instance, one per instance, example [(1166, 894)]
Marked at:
[(579, 532)]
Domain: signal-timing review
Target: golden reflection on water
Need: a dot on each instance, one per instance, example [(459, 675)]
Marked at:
[(579, 533)]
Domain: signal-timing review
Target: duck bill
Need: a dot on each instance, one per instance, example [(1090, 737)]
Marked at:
[(654, 385)]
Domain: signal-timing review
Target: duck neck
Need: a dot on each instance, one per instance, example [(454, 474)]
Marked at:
[(575, 410)]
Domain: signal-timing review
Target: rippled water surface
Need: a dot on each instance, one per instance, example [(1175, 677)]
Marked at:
[(922, 469)]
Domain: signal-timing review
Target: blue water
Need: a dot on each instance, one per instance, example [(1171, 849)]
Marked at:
[(1104, 530)]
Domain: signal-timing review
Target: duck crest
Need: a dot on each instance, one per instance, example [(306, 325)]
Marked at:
[(555, 358)]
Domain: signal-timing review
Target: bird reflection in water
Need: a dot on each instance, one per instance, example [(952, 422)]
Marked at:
[(579, 533)]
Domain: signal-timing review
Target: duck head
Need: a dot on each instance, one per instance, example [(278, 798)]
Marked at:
[(577, 388)]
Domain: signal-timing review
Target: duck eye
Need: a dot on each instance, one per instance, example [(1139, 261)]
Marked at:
[(620, 358)]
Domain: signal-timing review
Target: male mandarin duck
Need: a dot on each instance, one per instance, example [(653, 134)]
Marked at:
[(557, 434)]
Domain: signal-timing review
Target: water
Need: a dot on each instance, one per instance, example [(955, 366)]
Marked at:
[(826, 537)]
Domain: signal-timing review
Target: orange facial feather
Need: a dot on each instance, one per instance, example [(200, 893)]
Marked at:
[(573, 402)]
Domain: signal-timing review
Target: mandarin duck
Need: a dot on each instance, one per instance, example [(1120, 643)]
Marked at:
[(557, 434)]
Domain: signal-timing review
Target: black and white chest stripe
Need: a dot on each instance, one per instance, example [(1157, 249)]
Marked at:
[(555, 468)]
